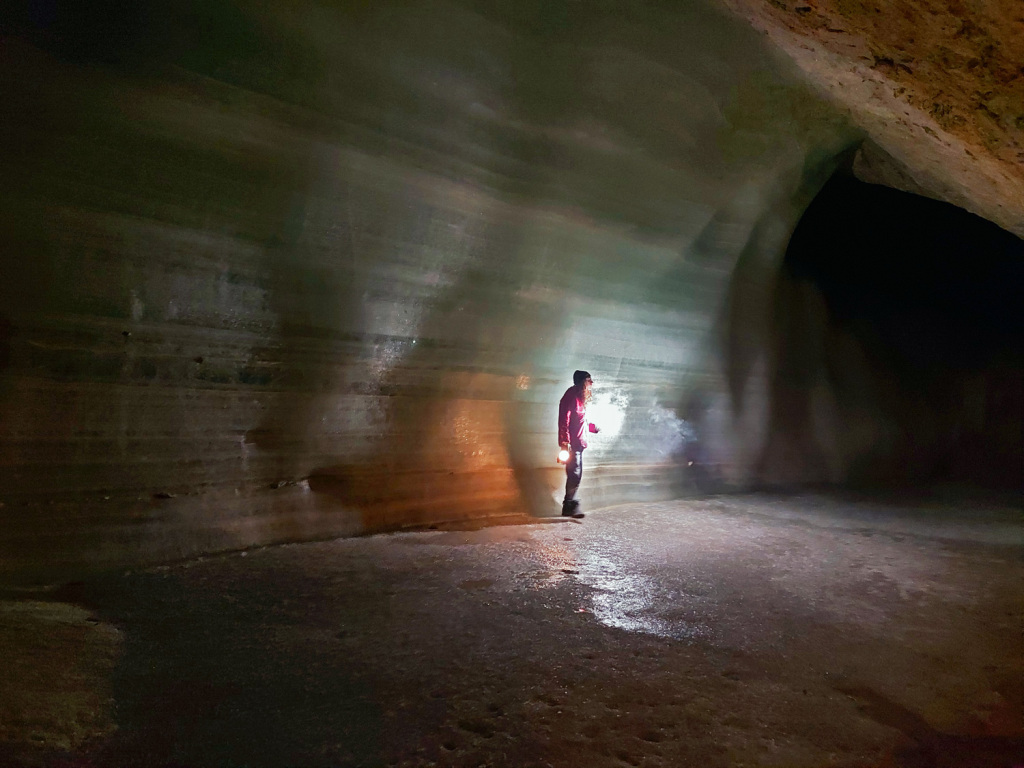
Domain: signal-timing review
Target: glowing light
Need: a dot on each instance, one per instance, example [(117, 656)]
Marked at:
[(563, 456), (607, 410)]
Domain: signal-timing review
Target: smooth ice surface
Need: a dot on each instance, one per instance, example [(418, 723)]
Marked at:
[(756, 630)]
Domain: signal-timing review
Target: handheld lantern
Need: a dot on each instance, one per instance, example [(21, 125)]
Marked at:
[(563, 456)]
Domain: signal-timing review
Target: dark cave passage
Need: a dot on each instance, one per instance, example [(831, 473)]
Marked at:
[(920, 337)]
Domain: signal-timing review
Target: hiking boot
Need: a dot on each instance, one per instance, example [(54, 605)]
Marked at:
[(572, 509)]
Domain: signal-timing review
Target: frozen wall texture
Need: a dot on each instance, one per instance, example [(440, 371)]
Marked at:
[(277, 272)]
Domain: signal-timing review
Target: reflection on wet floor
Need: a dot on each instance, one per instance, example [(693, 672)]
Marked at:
[(629, 600), (621, 594)]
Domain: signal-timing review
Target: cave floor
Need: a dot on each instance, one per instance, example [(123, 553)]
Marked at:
[(744, 630)]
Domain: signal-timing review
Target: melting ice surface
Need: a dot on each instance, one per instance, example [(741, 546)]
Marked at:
[(626, 599)]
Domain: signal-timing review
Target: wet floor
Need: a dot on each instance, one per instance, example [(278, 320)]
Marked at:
[(723, 632)]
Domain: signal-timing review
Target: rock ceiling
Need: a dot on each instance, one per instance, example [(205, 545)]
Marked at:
[(937, 84)]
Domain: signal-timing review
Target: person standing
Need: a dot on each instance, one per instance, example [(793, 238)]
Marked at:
[(572, 425)]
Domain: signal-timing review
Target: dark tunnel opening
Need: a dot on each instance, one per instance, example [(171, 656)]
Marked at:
[(919, 335)]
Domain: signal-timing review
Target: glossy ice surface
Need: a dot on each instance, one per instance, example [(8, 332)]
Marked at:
[(756, 630)]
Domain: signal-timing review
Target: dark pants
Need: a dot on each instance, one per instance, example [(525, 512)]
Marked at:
[(573, 475)]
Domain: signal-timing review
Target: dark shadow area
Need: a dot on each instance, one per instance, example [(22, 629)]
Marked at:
[(763, 329), (221, 40), (203, 681), (899, 334), (925, 747)]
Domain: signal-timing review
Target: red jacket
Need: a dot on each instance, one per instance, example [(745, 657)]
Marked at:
[(572, 420)]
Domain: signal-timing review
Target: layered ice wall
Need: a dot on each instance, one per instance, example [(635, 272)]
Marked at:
[(276, 273)]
